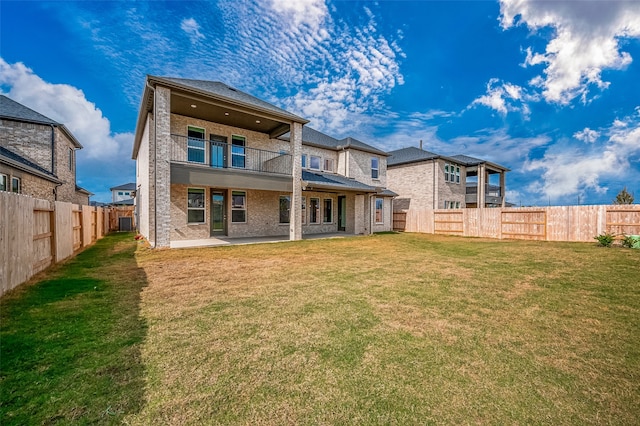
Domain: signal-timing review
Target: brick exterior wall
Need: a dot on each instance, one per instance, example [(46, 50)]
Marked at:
[(162, 165), (416, 181), (32, 185), (359, 167), (65, 170), (33, 142), (29, 140)]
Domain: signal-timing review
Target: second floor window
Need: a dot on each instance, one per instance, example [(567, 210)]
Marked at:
[(71, 159), (195, 144), (314, 162), (304, 161), (3, 182), (238, 156), (375, 168), (328, 165)]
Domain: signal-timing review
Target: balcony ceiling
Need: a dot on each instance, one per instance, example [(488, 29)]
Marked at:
[(228, 114)]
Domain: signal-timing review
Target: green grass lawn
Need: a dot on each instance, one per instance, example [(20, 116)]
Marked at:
[(387, 329)]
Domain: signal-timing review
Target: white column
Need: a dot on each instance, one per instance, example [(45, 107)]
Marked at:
[(503, 187), (295, 225)]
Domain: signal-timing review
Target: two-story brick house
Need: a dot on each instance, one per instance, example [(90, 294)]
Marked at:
[(425, 180), (37, 155), (213, 161)]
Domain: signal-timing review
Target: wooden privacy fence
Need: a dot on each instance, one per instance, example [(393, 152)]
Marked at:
[(35, 234), (566, 223)]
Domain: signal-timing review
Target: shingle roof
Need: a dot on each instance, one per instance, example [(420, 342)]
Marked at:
[(324, 180), (468, 161), (409, 155), (414, 155), (30, 166), (12, 109), (318, 139), (125, 187), (355, 143), (220, 89)]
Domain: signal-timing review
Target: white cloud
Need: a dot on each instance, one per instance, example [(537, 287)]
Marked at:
[(104, 154), (586, 41), (505, 97), (568, 170), (587, 135), (192, 28), (306, 12)]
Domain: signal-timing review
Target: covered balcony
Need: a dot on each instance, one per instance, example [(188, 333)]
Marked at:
[(196, 161), (493, 195)]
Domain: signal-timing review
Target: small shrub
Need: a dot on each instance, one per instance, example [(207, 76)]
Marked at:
[(628, 241), (605, 240)]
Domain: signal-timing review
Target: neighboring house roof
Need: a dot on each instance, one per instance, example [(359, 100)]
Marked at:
[(19, 162), (338, 182), (313, 137), (84, 191), (415, 155), (128, 202), (131, 186), (12, 110), (409, 155), (472, 161), (219, 89)]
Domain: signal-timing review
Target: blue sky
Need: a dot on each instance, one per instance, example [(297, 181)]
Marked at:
[(549, 89)]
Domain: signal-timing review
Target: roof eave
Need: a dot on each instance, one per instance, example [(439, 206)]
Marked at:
[(28, 169)]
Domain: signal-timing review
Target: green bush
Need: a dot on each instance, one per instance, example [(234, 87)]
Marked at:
[(631, 241), (605, 240)]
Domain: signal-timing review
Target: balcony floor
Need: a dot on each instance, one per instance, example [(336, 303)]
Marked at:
[(230, 241)]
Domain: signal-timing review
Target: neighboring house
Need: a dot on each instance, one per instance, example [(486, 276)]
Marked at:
[(37, 155), (214, 161), (123, 194), (424, 180)]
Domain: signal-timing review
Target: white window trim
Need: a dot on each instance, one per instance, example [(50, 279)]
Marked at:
[(311, 157), (377, 169), (5, 178), (324, 211), (16, 179), (203, 208), (319, 215), (375, 208), (204, 144), (279, 217), (245, 206), (244, 153), (303, 207), (328, 162)]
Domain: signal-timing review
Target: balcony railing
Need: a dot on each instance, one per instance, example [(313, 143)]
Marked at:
[(220, 155), (492, 194)]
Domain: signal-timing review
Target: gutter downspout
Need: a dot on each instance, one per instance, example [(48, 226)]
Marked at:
[(155, 168)]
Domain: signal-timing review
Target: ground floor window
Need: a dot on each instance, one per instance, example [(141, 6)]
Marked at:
[(314, 210), (452, 204), (304, 210), (15, 185), (285, 208), (195, 205), (238, 206), (328, 210), (3, 182), (379, 210)]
